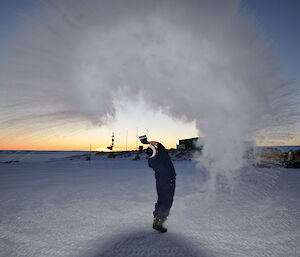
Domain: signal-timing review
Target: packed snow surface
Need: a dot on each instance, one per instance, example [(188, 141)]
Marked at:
[(73, 207)]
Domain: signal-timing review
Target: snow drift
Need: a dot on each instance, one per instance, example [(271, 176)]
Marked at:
[(63, 207)]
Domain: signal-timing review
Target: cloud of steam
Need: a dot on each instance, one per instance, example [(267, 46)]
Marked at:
[(202, 61)]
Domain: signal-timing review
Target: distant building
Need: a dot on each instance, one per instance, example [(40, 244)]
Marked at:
[(180, 147), (190, 144)]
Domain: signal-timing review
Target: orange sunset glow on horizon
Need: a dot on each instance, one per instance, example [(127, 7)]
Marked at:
[(130, 122)]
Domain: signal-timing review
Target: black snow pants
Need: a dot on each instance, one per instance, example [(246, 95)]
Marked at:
[(165, 194)]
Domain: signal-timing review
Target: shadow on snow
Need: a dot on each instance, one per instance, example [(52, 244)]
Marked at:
[(148, 243)]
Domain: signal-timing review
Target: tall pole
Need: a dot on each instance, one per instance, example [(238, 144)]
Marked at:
[(136, 139), (126, 139), (90, 154)]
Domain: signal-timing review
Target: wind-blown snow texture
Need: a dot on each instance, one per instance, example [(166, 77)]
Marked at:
[(65, 207)]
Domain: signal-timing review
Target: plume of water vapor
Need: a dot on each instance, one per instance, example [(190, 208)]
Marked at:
[(202, 61)]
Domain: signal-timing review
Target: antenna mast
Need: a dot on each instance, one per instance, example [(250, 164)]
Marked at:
[(112, 142), (126, 139), (136, 139)]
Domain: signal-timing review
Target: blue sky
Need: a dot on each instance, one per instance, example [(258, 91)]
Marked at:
[(10, 16), (280, 20)]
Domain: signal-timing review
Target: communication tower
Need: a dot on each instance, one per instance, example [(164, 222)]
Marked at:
[(112, 142)]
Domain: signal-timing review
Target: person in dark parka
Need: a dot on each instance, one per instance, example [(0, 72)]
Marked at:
[(165, 176)]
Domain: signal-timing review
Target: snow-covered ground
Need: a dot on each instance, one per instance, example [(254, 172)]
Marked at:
[(56, 206)]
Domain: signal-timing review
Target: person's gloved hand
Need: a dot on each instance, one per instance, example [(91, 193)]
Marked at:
[(144, 140)]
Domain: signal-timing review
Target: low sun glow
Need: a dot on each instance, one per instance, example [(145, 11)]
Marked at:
[(102, 150)]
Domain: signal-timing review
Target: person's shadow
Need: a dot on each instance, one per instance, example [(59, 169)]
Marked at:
[(149, 244)]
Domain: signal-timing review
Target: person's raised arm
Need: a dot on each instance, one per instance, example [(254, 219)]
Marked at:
[(153, 142), (158, 145)]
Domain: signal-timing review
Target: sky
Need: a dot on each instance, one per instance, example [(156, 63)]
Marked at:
[(279, 20)]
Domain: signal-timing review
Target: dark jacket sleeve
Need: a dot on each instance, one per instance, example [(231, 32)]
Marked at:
[(161, 148)]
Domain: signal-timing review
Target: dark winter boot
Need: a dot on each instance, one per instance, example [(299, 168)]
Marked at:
[(158, 225)]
